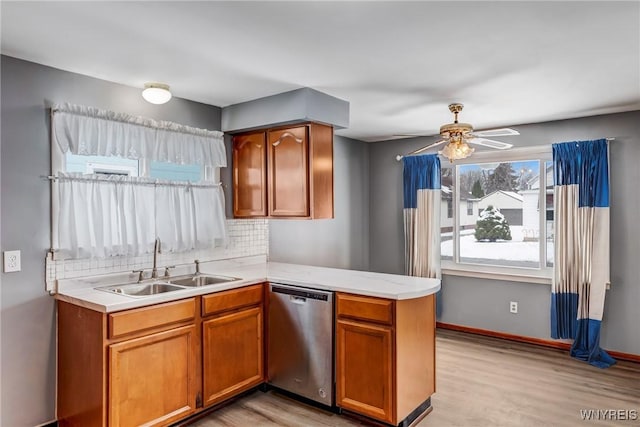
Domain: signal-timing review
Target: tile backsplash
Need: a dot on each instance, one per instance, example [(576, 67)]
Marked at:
[(247, 237)]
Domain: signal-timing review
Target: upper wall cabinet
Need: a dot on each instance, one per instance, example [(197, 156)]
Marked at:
[(297, 181), (249, 175)]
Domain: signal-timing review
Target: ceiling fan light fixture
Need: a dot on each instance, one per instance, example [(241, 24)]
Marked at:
[(156, 93), (456, 136), (456, 151)]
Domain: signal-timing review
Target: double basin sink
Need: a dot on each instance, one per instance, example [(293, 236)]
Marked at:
[(168, 284)]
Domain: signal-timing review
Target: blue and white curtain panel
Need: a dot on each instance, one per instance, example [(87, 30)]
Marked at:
[(581, 198), (421, 179)]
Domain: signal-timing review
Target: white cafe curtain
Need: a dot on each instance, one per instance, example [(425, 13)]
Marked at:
[(91, 131), (102, 216)]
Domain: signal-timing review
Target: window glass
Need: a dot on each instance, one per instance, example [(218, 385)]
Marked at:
[(506, 230), (101, 165), (120, 166), (175, 172)]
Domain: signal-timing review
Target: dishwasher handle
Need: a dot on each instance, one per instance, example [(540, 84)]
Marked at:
[(299, 296)]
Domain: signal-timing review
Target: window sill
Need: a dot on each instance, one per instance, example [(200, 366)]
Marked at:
[(506, 274)]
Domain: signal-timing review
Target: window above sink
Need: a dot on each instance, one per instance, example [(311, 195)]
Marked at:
[(120, 182)]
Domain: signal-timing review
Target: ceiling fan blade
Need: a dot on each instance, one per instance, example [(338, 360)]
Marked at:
[(496, 132), (420, 150), (490, 143), (410, 135), (435, 144)]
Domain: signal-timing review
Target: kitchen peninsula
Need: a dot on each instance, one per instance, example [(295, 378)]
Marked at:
[(161, 358)]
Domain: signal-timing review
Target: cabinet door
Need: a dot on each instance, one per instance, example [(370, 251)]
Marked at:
[(289, 172), (152, 380), (250, 175), (364, 373), (232, 354)]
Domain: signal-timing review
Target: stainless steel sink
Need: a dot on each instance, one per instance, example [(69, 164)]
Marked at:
[(201, 280), (167, 284), (141, 289)]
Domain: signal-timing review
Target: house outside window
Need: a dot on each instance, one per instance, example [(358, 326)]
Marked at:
[(510, 235)]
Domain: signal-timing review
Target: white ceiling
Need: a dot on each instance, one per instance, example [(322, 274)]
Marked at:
[(399, 64)]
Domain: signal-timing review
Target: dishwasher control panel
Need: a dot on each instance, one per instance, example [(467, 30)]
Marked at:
[(300, 292)]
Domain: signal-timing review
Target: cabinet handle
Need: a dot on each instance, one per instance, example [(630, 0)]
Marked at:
[(297, 300)]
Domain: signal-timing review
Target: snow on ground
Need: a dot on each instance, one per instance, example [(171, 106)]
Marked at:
[(512, 250)]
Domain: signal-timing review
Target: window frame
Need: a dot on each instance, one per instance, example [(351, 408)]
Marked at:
[(543, 274)]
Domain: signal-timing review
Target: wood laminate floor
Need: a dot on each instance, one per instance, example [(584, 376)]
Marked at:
[(481, 382)]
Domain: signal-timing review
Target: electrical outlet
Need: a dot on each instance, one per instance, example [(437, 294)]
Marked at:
[(513, 307), (11, 261)]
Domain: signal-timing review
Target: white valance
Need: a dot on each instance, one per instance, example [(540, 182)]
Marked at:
[(91, 131), (102, 216)]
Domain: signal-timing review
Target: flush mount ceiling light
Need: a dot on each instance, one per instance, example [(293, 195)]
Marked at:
[(156, 93)]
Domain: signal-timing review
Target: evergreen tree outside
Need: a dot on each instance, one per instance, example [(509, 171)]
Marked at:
[(476, 190), (492, 226), (468, 179), (503, 178)]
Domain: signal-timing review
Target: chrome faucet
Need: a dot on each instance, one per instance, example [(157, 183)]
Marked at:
[(197, 267), (156, 250)]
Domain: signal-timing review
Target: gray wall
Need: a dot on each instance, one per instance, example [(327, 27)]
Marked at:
[(27, 319), (342, 242), (482, 303)]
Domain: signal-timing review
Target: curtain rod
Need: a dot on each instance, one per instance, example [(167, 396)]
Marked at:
[(149, 183), (419, 150)]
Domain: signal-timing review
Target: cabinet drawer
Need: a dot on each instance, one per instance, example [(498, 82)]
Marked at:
[(231, 300), (139, 319), (370, 309)]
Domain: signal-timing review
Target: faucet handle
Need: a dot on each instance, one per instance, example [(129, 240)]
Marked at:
[(140, 274), (197, 261), (166, 270)]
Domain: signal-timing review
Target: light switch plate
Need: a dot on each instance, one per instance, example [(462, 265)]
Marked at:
[(11, 261)]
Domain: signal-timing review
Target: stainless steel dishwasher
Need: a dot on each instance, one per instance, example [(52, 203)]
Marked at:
[(300, 340)]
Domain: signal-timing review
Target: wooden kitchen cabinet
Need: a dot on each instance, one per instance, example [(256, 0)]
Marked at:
[(152, 379), (233, 343), (385, 356), (250, 175), (299, 172), (364, 360), (288, 172), (128, 368)]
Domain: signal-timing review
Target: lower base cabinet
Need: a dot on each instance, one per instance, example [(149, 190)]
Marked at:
[(364, 359), (152, 366), (153, 379), (232, 354), (385, 355), (149, 366)]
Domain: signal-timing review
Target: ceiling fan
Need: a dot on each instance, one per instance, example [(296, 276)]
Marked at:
[(458, 136)]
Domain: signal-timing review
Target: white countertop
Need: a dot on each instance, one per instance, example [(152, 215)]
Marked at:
[(251, 270)]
